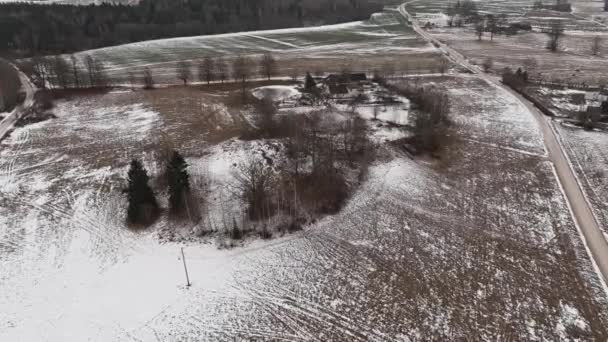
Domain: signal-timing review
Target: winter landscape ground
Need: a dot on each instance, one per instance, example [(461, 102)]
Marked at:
[(477, 241)]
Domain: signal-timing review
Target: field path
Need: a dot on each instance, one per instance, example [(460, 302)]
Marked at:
[(581, 210)]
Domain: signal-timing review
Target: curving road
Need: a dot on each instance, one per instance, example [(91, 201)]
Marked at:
[(7, 123), (579, 206)]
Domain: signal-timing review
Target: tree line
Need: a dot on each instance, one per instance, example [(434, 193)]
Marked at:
[(9, 86), (56, 28)]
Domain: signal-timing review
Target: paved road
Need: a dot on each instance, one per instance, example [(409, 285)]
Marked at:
[(581, 209), (20, 110)]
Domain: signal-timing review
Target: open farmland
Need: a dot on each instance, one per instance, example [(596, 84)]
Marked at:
[(383, 37), (480, 245)]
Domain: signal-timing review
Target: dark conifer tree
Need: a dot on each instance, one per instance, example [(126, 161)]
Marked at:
[(142, 207), (179, 182), (309, 84)]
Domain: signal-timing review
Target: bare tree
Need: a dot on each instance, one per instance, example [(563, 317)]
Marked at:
[(95, 70), (131, 78), (530, 64), (148, 80), (487, 64), (266, 111), (255, 182), (555, 32), (40, 69), (596, 45), (222, 69), (183, 71), (268, 65), (241, 71), (479, 28), (388, 70), (206, 70), (61, 72), (444, 64), (491, 25), (75, 71)]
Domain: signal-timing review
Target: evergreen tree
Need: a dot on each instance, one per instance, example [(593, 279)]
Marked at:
[(179, 182), (142, 204), (309, 84)]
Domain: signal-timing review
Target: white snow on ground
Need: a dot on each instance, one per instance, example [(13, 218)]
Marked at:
[(72, 272), (276, 93), (570, 318)]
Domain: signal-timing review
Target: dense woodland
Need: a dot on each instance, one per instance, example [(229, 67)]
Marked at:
[(44, 29)]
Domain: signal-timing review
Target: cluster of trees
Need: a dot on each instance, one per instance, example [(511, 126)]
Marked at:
[(143, 207), (431, 119), (515, 80), (57, 28), (56, 71), (10, 84), (312, 179), (462, 12)]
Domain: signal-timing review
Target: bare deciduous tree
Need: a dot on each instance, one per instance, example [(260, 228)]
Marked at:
[(183, 71), (443, 66), (241, 71), (40, 70), (268, 65), (148, 80), (491, 25), (206, 70), (479, 28), (222, 69), (555, 32), (388, 70), (75, 71), (596, 45), (61, 72), (255, 182), (96, 73), (530, 64), (487, 64)]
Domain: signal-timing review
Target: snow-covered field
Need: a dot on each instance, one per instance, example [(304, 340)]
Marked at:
[(480, 244), (384, 36)]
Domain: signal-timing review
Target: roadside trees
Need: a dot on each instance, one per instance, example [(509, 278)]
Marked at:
[(148, 80), (222, 69), (596, 45), (183, 71), (206, 70), (555, 32), (268, 65), (241, 71)]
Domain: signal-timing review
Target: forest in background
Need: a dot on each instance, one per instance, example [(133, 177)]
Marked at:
[(32, 29)]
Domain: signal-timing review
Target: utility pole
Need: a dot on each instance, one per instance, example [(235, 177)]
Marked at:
[(185, 268)]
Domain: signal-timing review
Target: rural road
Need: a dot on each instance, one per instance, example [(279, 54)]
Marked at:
[(7, 123), (580, 207)]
